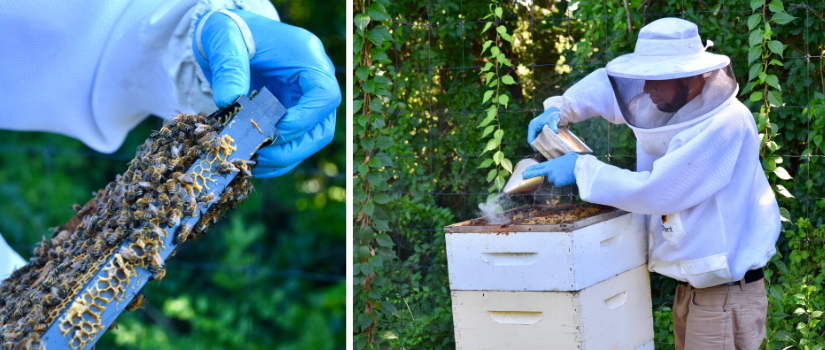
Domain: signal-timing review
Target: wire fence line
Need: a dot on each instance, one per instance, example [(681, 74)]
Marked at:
[(416, 61)]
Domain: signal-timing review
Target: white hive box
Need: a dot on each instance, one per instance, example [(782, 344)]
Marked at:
[(561, 257), (612, 314)]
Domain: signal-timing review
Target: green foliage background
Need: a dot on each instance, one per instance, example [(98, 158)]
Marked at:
[(269, 276), (418, 103)]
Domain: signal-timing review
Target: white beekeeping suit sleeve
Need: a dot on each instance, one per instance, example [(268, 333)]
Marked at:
[(699, 162), (93, 69), (590, 97), (9, 260)]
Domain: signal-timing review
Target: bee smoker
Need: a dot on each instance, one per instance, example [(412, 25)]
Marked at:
[(550, 146)]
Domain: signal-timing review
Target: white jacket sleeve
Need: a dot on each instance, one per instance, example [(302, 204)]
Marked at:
[(699, 163), (94, 69), (9, 260), (590, 97)]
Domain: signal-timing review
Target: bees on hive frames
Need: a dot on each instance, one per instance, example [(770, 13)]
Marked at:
[(141, 199)]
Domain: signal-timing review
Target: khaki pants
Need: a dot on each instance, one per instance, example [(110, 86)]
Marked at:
[(721, 317)]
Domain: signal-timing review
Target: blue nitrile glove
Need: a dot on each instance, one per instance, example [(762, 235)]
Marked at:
[(559, 171), (535, 126), (293, 66)]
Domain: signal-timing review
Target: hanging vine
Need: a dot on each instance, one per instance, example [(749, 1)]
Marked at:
[(373, 247), (493, 78)]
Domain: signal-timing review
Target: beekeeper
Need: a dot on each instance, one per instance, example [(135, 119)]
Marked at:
[(93, 70), (712, 218)]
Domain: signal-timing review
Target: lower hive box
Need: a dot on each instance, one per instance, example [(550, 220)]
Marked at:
[(544, 248), (612, 314)]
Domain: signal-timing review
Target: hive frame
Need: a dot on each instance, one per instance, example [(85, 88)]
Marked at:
[(100, 302)]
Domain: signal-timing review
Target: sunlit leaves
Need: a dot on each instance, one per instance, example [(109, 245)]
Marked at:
[(361, 20)]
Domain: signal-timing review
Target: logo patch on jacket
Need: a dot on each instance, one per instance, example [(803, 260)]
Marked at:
[(672, 229)]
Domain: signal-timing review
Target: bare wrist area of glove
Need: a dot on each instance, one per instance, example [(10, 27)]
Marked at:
[(565, 106)]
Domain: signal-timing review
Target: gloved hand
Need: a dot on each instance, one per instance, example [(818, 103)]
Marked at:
[(559, 171), (535, 126), (291, 63)]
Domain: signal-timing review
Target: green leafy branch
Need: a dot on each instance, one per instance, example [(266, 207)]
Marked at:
[(373, 246), (493, 79), (763, 83)]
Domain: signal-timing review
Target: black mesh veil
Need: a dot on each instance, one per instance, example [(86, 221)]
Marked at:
[(651, 104)]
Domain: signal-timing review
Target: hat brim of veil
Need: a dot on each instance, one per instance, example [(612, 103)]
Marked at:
[(633, 66)]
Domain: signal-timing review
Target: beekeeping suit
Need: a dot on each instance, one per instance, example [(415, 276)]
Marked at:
[(709, 211), (9, 260)]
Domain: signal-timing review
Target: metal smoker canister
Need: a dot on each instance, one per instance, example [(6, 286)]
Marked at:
[(551, 146)]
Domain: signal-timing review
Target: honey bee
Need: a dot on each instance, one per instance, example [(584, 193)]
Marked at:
[(131, 194), (51, 300), (166, 132), (190, 208), (136, 303), (111, 238), (11, 337), (159, 169), (183, 233), (210, 198), (111, 207), (129, 255), (227, 195), (145, 184), (121, 233), (174, 219), (84, 265), (161, 189), (186, 128), (124, 219), (134, 236), (180, 191), (141, 215), (18, 313), (226, 168), (243, 165), (164, 200), (194, 153), (150, 234), (201, 128), (40, 327), (102, 223), (186, 179), (97, 248), (62, 267), (158, 274), (142, 202)]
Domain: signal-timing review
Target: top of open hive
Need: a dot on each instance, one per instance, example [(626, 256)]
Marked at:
[(539, 218)]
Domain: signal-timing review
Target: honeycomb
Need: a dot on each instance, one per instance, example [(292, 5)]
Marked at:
[(548, 216), (122, 227), (537, 217)]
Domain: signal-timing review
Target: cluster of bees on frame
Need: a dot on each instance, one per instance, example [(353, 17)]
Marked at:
[(152, 199)]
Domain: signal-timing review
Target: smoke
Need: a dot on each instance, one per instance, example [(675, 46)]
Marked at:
[(493, 209)]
